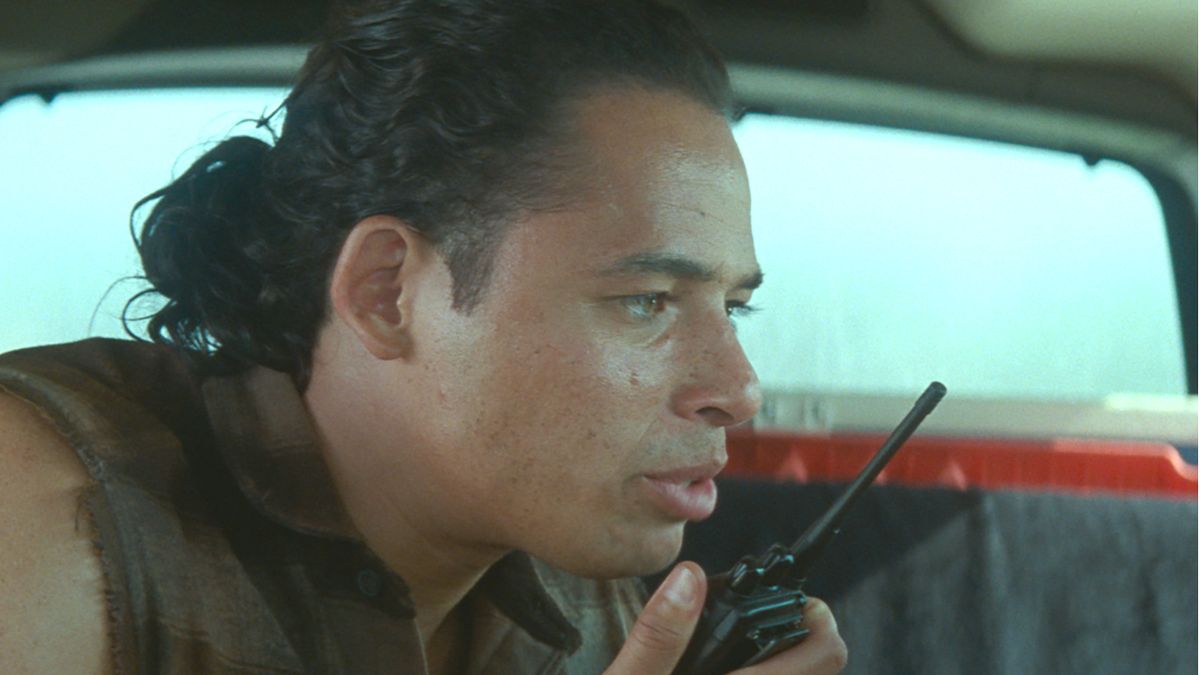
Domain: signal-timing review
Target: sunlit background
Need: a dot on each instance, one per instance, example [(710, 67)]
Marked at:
[(891, 257)]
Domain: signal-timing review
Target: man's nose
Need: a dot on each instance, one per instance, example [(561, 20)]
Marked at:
[(721, 388)]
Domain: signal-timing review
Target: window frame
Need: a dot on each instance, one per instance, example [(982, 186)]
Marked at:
[(1166, 157)]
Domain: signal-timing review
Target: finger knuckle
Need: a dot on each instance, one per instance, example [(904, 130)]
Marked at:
[(658, 637)]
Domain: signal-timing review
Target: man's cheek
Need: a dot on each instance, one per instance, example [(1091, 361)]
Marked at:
[(564, 372), (630, 369)]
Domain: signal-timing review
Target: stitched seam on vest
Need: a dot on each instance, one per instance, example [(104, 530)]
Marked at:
[(29, 388), (119, 625)]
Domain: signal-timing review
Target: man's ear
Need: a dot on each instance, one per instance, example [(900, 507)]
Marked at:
[(367, 289)]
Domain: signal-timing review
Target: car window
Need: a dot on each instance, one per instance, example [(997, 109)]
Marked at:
[(72, 168), (896, 257), (891, 257)]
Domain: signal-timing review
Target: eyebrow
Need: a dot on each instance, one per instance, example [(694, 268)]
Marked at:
[(676, 266)]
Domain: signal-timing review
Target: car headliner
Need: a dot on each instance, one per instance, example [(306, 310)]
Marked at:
[(994, 45)]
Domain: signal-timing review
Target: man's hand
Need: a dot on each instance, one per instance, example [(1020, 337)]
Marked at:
[(665, 626)]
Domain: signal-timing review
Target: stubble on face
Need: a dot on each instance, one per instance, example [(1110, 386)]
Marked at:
[(556, 395)]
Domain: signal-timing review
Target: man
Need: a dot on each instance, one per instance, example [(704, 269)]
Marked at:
[(458, 344)]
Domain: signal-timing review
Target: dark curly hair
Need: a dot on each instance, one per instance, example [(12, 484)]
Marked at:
[(450, 115)]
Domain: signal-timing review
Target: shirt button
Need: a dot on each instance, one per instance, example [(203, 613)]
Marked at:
[(369, 583)]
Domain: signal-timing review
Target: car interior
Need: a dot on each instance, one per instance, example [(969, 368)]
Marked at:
[(1000, 196)]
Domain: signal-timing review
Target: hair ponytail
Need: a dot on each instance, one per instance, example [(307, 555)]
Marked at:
[(448, 115), (206, 248)]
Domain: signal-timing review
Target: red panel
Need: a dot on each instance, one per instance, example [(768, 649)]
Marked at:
[(1068, 464)]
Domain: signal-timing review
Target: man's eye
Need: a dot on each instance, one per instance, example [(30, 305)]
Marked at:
[(645, 306), (736, 309)]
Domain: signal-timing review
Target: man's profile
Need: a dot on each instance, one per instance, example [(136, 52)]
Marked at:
[(437, 373)]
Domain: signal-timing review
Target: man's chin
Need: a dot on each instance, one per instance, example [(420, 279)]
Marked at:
[(646, 556)]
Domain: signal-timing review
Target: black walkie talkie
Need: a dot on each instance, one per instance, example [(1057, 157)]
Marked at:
[(755, 610)]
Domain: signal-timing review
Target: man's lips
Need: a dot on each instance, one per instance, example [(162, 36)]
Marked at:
[(685, 493), (689, 474)]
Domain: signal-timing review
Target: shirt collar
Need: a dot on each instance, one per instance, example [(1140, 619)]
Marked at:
[(267, 439)]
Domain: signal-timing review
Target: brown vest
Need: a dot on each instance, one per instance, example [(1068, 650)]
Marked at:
[(226, 548)]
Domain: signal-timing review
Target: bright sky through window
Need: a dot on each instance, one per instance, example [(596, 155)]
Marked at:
[(891, 257)]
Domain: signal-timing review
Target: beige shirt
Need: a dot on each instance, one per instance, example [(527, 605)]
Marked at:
[(226, 549)]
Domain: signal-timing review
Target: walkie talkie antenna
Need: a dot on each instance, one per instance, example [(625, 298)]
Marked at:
[(756, 609), (810, 544)]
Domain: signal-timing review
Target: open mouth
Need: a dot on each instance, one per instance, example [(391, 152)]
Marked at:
[(683, 499)]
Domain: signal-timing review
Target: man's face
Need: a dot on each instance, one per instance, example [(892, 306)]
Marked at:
[(578, 412)]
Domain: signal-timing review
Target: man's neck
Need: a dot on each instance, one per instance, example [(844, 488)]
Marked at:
[(438, 574), (444, 653), (438, 570), (440, 600)]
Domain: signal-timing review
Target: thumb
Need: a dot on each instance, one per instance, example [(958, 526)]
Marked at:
[(661, 633)]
